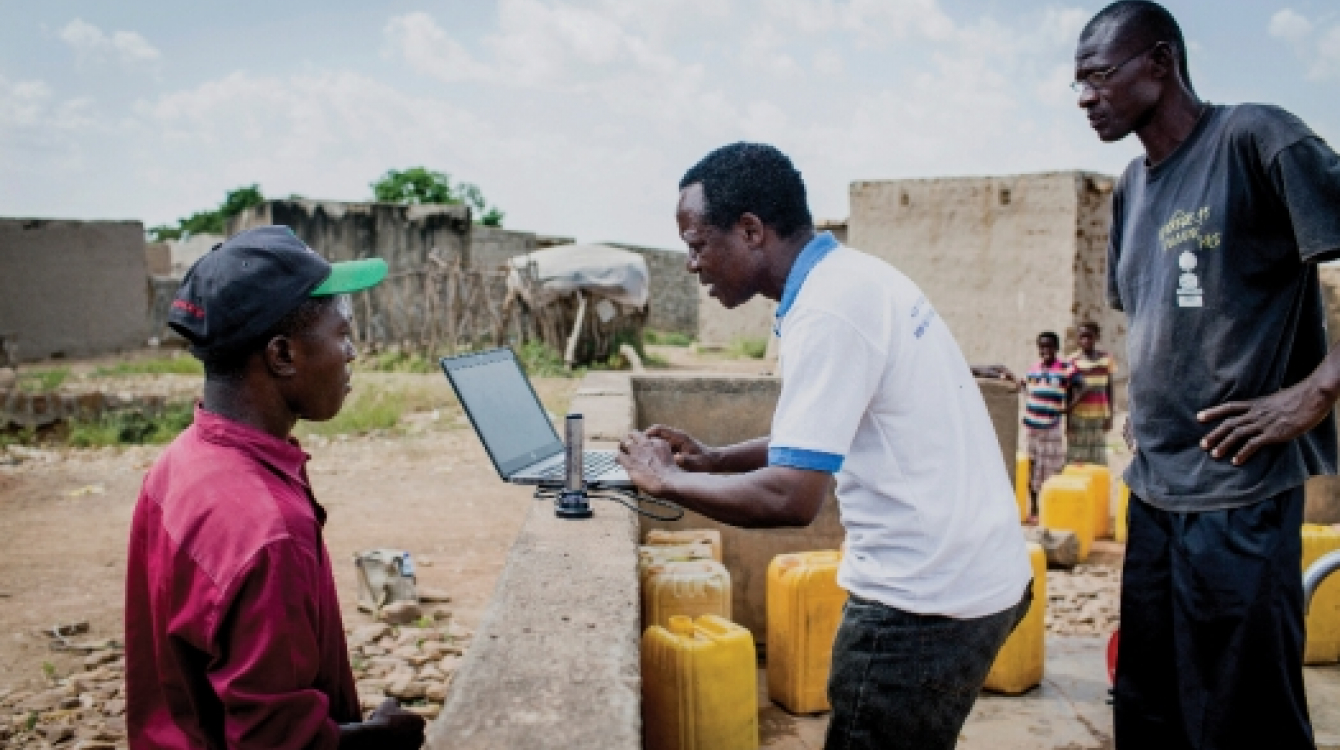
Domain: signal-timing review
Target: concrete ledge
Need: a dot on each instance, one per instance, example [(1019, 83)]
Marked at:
[(555, 662)]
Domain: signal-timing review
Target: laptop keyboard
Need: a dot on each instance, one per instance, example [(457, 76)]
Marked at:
[(594, 463)]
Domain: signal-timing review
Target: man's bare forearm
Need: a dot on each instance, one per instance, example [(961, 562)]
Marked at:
[(751, 455), (766, 498)]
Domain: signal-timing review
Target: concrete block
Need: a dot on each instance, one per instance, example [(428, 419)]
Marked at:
[(72, 288), (158, 258), (720, 326), (1060, 546)]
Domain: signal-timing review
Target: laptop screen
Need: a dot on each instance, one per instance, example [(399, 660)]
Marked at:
[(503, 408)]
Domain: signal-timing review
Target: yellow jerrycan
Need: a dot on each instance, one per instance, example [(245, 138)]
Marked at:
[(699, 686), (668, 538), (1022, 474), (1123, 508), (1018, 666), (1101, 495), (1323, 616), (693, 589), (649, 555), (804, 608), (1065, 503)]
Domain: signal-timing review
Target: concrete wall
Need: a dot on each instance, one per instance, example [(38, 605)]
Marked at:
[(158, 259), (72, 288), (1001, 258), (401, 234), (837, 226), (719, 326), (185, 252), (674, 291), (404, 235), (491, 247)]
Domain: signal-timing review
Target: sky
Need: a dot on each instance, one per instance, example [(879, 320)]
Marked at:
[(578, 118)]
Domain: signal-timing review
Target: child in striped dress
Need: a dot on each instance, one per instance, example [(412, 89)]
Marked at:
[(1091, 419)]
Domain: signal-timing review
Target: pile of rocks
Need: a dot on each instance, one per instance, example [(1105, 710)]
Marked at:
[(1083, 601), (85, 710), (412, 664)]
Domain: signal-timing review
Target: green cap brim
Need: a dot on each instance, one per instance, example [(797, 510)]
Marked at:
[(352, 276)]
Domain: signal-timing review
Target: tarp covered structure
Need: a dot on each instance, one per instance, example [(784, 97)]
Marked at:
[(583, 300), (617, 275)]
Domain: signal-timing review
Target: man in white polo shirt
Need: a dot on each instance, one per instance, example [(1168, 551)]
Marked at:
[(875, 392)]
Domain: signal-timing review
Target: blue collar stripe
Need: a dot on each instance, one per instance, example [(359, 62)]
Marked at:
[(817, 249)]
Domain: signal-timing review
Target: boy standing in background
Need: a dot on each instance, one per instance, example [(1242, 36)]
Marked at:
[(1091, 419), (1049, 388)]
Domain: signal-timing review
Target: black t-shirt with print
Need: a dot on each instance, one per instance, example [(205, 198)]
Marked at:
[(1213, 258)]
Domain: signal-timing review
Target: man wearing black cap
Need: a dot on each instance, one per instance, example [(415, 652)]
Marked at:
[(233, 631)]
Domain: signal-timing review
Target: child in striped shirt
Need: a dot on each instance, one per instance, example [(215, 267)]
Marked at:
[(1050, 386), (1091, 420)]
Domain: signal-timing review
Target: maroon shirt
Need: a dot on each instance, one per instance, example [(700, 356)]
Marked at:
[(233, 632)]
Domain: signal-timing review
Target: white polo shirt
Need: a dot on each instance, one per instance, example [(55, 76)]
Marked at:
[(876, 391)]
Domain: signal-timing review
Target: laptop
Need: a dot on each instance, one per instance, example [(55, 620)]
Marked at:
[(512, 425)]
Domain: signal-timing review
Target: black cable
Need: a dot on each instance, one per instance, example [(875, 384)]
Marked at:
[(543, 492)]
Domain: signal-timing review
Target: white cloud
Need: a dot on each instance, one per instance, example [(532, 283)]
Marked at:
[(829, 62), (1320, 50), (1327, 62), (89, 41), (22, 103), (873, 21), (1290, 26), (427, 48)]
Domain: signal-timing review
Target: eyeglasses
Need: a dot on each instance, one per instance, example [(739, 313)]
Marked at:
[(1098, 79)]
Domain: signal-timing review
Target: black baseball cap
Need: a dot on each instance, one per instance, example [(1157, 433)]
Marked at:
[(242, 288)]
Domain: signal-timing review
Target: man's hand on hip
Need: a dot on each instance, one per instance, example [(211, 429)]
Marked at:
[(1280, 417)]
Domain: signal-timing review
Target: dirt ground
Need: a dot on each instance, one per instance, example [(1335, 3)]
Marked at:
[(428, 488), (65, 514)]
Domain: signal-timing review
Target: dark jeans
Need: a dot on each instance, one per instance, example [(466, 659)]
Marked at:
[(902, 680), (1211, 651)]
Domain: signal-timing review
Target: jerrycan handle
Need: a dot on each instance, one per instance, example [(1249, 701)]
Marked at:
[(714, 627), (681, 625)]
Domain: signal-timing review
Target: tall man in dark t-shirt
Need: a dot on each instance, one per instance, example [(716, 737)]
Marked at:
[(1216, 232)]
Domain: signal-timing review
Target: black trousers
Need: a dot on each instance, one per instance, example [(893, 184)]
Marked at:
[(1211, 652)]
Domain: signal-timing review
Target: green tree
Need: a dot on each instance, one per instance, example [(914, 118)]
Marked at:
[(422, 185), (211, 222)]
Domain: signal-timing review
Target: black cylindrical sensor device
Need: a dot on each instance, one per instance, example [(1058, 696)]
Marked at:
[(572, 501)]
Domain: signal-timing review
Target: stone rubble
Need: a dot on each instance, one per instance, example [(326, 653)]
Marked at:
[(85, 710), (1083, 601), (411, 663)]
